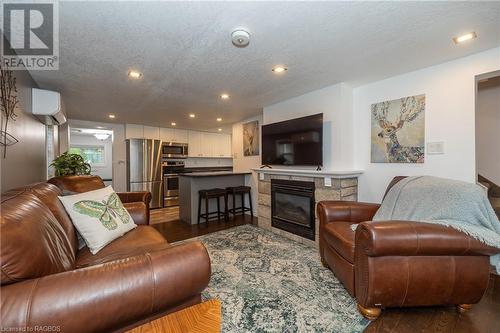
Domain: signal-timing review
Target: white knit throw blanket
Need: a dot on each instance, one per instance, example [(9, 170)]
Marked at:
[(459, 205)]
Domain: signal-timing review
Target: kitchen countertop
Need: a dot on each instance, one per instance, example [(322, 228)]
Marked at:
[(190, 185), (214, 174)]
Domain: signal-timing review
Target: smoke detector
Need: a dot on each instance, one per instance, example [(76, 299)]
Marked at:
[(240, 38)]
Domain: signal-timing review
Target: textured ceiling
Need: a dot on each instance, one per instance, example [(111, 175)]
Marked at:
[(185, 52)]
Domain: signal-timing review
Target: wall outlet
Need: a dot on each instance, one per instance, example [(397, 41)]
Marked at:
[(328, 181), (261, 176), (435, 148)]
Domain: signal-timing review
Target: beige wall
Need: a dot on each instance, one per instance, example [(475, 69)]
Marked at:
[(25, 162), (243, 163)]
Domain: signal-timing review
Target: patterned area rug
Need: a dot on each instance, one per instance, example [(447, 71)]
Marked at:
[(268, 283)]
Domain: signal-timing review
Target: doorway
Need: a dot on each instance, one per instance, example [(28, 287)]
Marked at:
[(95, 145), (488, 136)]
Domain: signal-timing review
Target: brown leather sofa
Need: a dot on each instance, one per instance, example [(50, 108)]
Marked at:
[(400, 263), (46, 282), (136, 203)]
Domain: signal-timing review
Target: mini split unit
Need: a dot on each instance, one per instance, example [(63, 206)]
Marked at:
[(46, 106)]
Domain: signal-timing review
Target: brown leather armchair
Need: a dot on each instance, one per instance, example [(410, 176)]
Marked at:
[(400, 263), (136, 203), (48, 283)]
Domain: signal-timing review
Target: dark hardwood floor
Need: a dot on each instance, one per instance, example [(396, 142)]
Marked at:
[(484, 317), (177, 230)]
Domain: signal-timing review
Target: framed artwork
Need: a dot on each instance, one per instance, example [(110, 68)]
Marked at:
[(398, 130), (251, 138)]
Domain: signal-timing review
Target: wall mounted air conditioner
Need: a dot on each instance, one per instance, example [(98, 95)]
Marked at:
[(46, 106)]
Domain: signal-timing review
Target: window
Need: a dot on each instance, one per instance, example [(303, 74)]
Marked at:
[(91, 154)]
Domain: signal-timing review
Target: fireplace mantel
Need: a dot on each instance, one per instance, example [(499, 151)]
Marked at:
[(339, 174)]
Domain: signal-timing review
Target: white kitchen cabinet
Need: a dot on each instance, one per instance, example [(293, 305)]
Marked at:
[(167, 134), (195, 144), (174, 135), (133, 131), (151, 132), (221, 145), (227, 145), (206, 144), (181, 135)]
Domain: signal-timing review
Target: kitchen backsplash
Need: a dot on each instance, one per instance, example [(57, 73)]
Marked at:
[(194, 162)]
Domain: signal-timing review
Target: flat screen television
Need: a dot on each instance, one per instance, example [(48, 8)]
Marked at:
[(294, 142)]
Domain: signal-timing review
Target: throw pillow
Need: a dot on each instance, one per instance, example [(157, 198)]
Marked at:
[(99, 216), (81, 241)]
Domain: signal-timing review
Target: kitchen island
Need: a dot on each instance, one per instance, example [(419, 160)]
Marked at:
[(191, 183)]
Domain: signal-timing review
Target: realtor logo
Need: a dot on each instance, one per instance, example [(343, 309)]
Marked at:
[(30, 32)]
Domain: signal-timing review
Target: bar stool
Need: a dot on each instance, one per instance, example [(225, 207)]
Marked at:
[(214, 193), (240, 190)]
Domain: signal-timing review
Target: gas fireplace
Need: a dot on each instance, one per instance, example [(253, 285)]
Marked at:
[(292, 207)]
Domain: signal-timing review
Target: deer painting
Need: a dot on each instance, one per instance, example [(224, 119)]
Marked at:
[(390, 118)]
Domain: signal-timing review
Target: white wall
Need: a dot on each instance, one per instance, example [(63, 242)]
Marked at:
[(450, 113), (335, 102), (105, 171), (488, 132), (449, 117), (243, 163)]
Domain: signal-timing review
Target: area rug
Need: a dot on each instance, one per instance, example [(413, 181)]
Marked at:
[(269, 283)]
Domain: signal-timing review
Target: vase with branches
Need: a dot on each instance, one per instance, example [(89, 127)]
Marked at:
[(8, 103)]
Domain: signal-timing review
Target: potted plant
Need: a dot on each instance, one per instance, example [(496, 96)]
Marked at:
[(68, 164)]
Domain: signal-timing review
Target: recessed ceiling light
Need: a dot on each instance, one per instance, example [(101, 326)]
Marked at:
[(224, 96), (111, 116), (192, 115), (134, 74), (279, 69), (219, 119), (219, 129), (173, 124), (463, 38)]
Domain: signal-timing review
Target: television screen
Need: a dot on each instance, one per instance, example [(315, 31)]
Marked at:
[(294, 142)]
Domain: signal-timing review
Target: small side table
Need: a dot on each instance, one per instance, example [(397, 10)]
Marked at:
[(200, 318)]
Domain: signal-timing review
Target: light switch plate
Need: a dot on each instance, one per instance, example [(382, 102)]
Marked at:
[(435, 148), (261, 176), (328, 181)]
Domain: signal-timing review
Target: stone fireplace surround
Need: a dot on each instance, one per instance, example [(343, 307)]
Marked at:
[(344, 187)]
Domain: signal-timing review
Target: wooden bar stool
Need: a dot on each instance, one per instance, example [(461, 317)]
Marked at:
[(214, 193), (241, 191)]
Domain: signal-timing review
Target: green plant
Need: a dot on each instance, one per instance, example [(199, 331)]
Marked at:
[(68, 164)]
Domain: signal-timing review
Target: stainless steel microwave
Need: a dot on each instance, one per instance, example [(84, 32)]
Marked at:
[(174, 150)]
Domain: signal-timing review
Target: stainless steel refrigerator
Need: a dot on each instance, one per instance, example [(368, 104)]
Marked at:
[(144, 170)]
